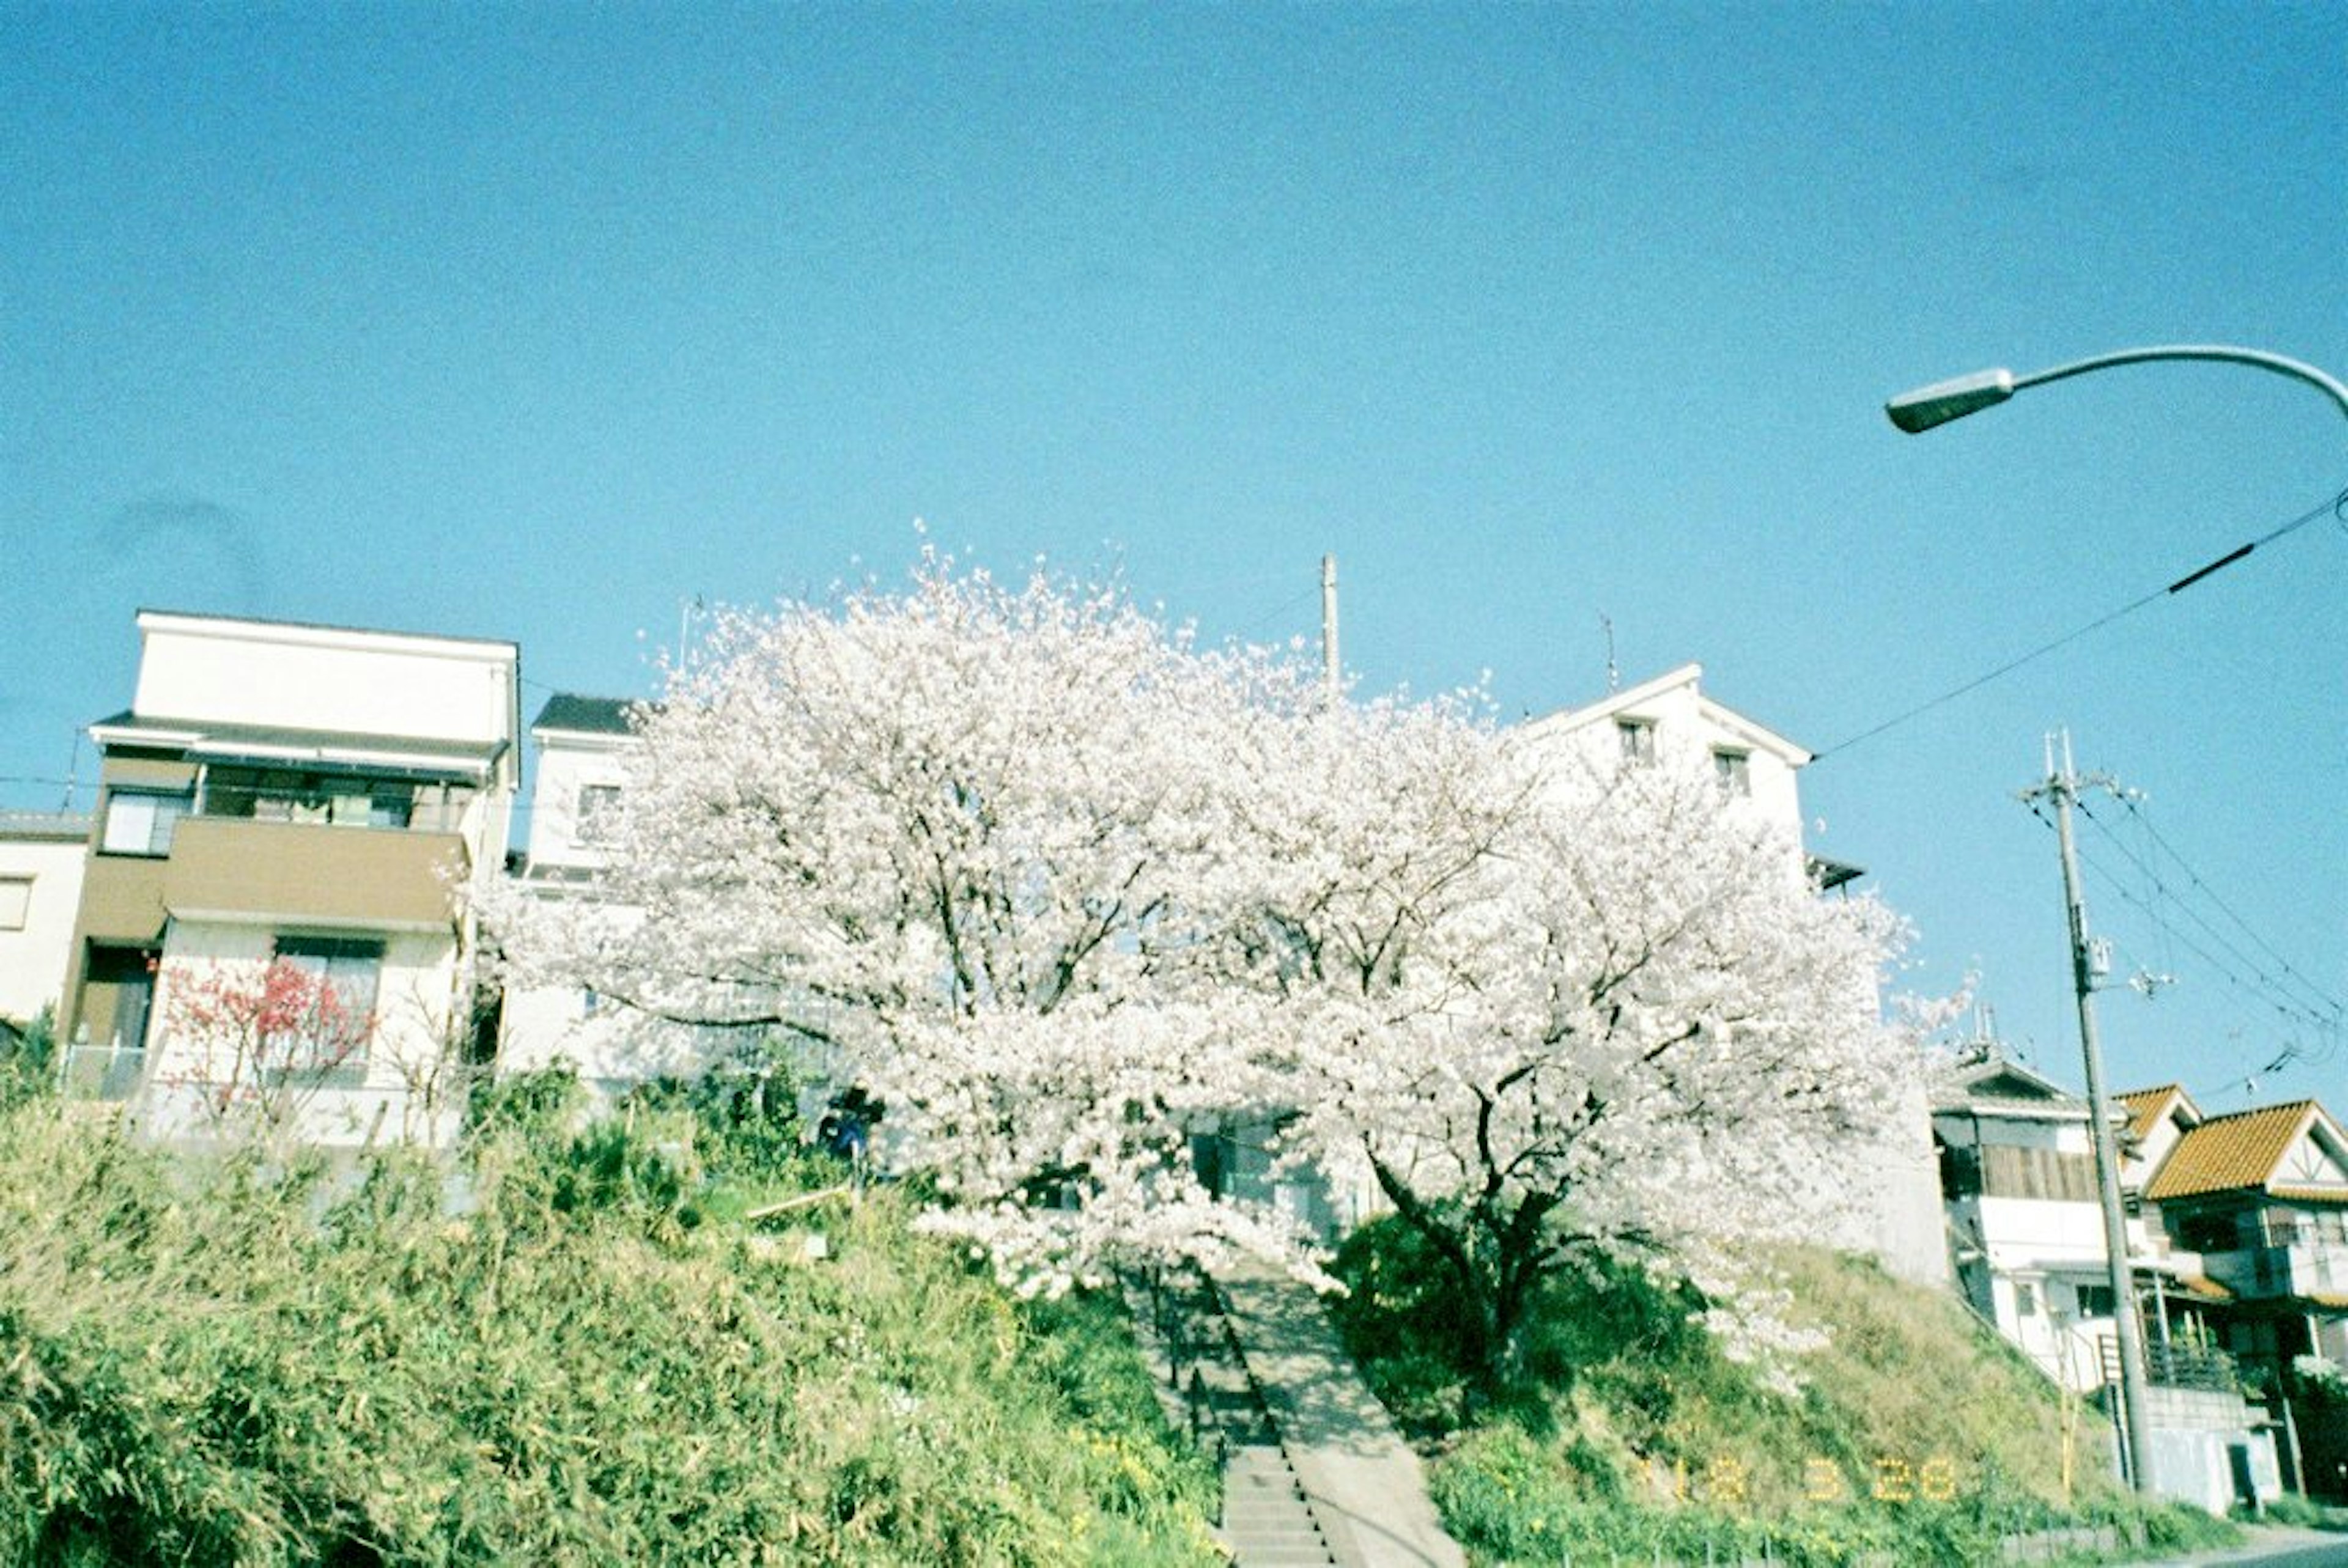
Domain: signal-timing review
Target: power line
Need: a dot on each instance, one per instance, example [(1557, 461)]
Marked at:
[(2320, 998), (2337, 506), (2288, 1008)]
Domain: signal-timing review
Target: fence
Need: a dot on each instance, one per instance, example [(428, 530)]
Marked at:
[(110, 1072)]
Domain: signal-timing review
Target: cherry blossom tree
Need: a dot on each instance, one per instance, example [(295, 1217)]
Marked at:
[(1549, 1015), (959, 841), (1062, 890)]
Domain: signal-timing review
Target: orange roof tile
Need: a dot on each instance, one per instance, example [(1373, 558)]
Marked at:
[(2227, 1153), (2146, 1107), (2293, 1195)]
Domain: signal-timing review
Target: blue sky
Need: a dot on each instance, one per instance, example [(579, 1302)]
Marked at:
[(537, 322)]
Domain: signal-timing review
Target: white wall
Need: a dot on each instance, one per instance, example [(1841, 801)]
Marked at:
[(33, 956), (325, 678), (567, 763), (1688, 729), (411, 1089)]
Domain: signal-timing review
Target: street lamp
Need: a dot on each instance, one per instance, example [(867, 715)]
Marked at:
[(1918, 410), (1915, 413)]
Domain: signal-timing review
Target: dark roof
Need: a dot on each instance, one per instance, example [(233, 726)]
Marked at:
[(586, 715), (266, 744), (62, 826), (1830, 874)]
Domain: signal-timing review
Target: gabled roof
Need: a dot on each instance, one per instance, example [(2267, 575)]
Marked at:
[(2147, 1108), (2244, 1151), (1628, 702), (2001, 1083), (573, 713)]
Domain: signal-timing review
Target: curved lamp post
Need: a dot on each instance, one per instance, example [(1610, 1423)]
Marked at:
[(1915, 413), (1918, 410)]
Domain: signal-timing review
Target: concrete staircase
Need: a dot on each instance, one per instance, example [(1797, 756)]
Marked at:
[(1205, 1388), (1314, 1471), (1266, 1519)]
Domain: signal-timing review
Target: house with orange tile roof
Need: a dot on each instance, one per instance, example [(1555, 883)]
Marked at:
[(2261, 1195), (2158, 1119)]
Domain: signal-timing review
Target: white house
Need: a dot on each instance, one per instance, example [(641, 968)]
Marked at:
[(1884, 1198), (2017, 1167), (41, 855), (282, 799), (583, 747)]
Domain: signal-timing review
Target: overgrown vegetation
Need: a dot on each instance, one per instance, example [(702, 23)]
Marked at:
[(27, 1057), (1916, 1436), (564, 1348)]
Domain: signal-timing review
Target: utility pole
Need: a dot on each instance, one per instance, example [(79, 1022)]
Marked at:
[(1329, 625), (2062, 788)]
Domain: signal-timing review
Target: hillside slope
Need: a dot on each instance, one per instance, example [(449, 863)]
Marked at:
[(1912, 1434)]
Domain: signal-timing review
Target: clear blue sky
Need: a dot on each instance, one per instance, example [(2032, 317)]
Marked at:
[(537, 322)]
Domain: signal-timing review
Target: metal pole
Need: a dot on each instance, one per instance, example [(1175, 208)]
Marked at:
[(2064, 787), (1329, 624)]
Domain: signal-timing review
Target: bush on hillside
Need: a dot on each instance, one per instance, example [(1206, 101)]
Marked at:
[(1917, 1437), (229, 1364)]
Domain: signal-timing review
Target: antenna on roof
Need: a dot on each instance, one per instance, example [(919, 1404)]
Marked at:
[(1613, 672)]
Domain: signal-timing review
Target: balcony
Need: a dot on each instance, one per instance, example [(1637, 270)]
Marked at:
[(283, 872), (2303, 1268)]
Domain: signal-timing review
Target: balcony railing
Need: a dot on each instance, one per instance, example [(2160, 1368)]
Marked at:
[(106, 1072), (2303, 1268), (2176, 1366)]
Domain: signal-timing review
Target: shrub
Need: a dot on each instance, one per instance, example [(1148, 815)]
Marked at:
[(226, 1364)]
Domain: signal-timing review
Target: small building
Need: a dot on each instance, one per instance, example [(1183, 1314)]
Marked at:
[(583, 747), (2025, 1230)]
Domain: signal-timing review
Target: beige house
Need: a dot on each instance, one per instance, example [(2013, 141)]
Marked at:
[(274, 916)]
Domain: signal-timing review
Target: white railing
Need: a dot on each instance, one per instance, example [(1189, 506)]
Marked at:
[(101, 1071)]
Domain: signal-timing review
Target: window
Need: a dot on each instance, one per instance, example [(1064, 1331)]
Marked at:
[(1638, 736), (1735, 777), (277, 795), (2026, 1301), (139, 821), (599, 806), (330, 1010), (15, 902), (2208, 1233), (2095, 1300)]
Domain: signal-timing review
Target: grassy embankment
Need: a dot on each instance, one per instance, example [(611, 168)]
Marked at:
[(597, 1362), (1917, 1436)]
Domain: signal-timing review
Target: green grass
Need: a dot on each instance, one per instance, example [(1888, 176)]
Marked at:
[(599, 1362), (1917, 1437)]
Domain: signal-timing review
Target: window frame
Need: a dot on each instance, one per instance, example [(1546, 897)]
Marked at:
[(1637, 739), (334, 962), (16, 901), (592, 824), (162, 827), (1733, 769)]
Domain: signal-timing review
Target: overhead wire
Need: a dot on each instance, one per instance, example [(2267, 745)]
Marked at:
[(2312, 1003), (2294, 1016), (2336, 507)]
